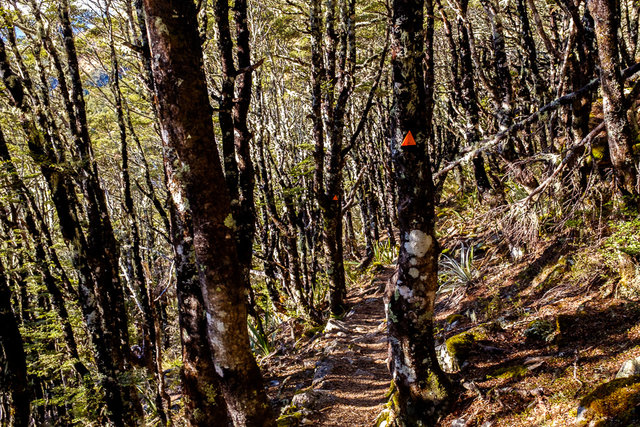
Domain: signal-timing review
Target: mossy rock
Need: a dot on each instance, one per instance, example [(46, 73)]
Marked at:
[(290, 417), (615, 403), (509, 372), (459, 346), (452, 318), (539, 330), (289, 420)]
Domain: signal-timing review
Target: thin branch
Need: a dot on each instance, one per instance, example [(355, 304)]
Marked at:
[(485, 144)]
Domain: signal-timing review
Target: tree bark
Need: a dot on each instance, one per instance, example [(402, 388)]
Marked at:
[(614, 102), (200, 381), (13, 360), (185, 118), (424, 391)]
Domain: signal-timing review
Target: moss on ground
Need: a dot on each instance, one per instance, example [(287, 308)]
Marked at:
[(454, 318), (613, 403), (509, 372)]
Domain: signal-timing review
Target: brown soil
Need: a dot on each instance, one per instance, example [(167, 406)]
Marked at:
[(359, 378), (600, 333)]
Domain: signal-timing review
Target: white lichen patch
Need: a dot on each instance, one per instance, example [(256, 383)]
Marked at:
[(418, 243), (413, 272), (405, 371), (219, 369), (413, 261), (215, 323), (405, 292)]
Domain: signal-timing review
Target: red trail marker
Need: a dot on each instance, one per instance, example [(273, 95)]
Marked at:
[(408, 140)]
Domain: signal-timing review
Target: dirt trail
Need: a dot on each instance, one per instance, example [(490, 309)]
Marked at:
[(345, 365)]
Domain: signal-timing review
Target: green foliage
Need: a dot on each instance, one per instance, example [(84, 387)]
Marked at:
[(260, 339), (624, 238), (320, 289), (384, 253), (539, 329), (455, 274)]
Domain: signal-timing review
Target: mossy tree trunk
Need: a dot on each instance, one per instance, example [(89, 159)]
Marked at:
[(200, 381), (614, 102), (333, 58), (424, 391), (185, 118)]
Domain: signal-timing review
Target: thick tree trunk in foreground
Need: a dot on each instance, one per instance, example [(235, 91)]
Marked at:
[(200, 381), (185, 118), (423, 389), (614, 102)]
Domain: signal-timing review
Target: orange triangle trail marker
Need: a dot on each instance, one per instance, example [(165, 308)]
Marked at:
[(408, 140), (335, 197)]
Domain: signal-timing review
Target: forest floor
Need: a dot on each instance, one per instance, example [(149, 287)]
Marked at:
[(552, 327), (342, 369)]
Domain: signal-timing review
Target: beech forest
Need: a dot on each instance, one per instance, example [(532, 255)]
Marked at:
[(281, 213)]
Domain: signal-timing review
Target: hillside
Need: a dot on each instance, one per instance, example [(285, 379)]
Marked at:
[(528, 338)]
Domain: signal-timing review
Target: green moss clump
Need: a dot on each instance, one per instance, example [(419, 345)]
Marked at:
[(598, 151), (312, 331), (460, 345), (454, 318), (509, 372), (614, 403), (289, 420), (385, 418)]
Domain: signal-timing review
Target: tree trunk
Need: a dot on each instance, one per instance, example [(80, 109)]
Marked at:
[(185, 118), (423, 389), (13, 360), (614, 102), (200, 382)]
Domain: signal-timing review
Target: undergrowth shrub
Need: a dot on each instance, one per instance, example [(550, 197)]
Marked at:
[(458, 273)]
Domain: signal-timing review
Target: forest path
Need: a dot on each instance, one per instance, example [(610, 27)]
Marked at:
[(342, 371)]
